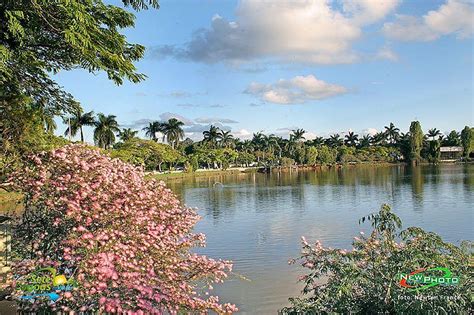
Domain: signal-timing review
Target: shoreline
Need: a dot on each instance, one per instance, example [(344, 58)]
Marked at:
[(176, 175)]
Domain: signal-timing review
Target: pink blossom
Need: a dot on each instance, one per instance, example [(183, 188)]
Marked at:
[(130, 239)]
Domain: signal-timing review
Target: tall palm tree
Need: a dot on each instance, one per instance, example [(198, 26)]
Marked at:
[(246, 146), (173, 131), (318, 141), (392, 133), (105, 129), (226, 138), (257, 140), (365, 141), (335, 140), (351, 139), (452, 139), (379, 138), (432, 133), (270, 143), (212, 135), (127, 134), (297, 135), (152, 129), (77, 121)]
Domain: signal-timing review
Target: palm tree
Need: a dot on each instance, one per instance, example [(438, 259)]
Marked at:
[(246, 146), (105, 129), (257, 140), (392, 132), (452, 139), (433, 133), (77, 121), (152, 129), (173, 132), (297, 135), (127, 134), (351, 139), (379, 138), (226, 138), (212, 135), (365, 141), (317, 141), (335, 140), (270, 143)]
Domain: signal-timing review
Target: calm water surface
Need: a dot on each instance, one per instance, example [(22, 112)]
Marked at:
[(256, 220)]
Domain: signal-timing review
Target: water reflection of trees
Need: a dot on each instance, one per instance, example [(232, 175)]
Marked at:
[(296, 189)]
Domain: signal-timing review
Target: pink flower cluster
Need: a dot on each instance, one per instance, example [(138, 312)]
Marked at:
[(128, 238)]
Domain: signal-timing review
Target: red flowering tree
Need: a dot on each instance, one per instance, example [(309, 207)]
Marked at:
[(126, 239)]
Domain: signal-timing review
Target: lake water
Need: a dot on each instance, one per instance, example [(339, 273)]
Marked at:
[(257, 220)]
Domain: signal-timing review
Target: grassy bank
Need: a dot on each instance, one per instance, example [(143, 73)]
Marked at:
[(217, 172), (206, 173)]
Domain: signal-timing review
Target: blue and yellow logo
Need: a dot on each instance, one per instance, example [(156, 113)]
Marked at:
[(44, 282)]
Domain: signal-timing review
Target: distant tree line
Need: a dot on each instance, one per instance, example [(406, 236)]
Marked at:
[(167, 148)]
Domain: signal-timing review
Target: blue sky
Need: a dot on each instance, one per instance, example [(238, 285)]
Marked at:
[(325, 66)]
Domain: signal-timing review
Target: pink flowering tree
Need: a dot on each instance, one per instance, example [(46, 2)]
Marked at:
[(126, 239), (368, 278)]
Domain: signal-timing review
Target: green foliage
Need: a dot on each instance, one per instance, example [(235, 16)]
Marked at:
[(146, 153), (22, 133), (299, 153), (452, 139), (416, 141), (378, 154), (311, 155), (327, 155), (467, 136), (216, 158), (245, 158), (366, 279), (105, 129), (77, 121), (346, 154), (287, 162), (434, 153), (127, 134), (40, 37), (173, 131)]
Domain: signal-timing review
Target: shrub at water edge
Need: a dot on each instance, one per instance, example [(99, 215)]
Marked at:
[(126, 239), (369, 278)]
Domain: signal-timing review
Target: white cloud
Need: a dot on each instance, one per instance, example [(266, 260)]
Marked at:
[(369, 131), (299, 89), (453, 17), (211, 120), (243, 134), (386, 53), (369, 11), (315, 31), (166, 116), (137, 124)]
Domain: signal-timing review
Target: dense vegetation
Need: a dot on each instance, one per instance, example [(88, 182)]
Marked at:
[(126, 239), (367, 279), (219, 149)]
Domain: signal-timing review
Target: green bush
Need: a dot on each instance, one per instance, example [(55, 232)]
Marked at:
[(369, 278), (147, 153), (287, 162), (327, 155)]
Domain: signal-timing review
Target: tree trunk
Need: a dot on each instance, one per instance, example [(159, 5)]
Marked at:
[(82, 135)]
